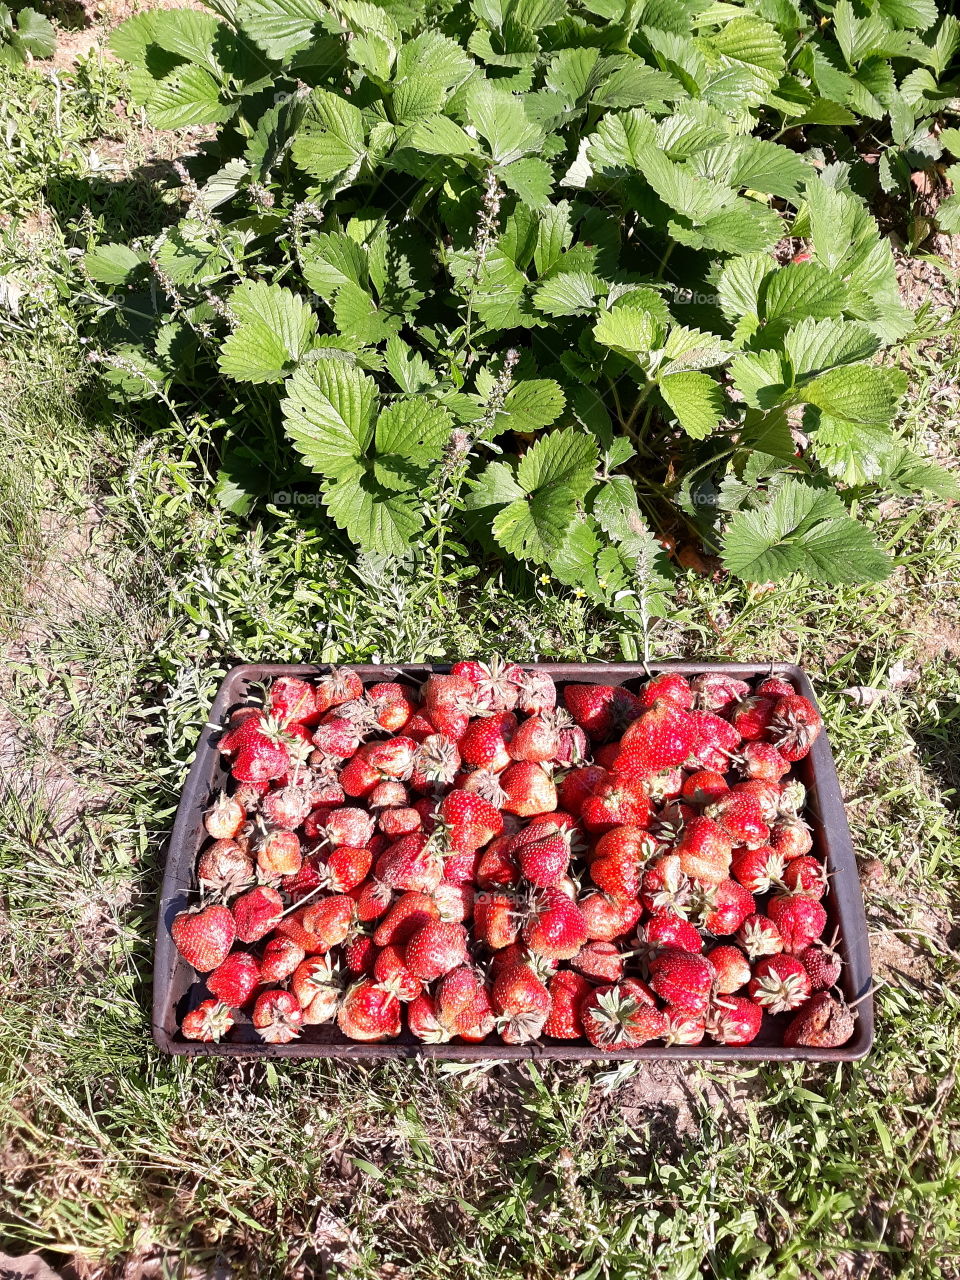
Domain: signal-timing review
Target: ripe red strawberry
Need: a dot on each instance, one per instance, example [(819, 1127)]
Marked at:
[(791, 837), (822, 963), (665, 888), (622, 1016), (670, 685), (291, 926), (522, 1003), (603, 710), (337, 686), (287, 807), (423, 1021), (725, 906), (496, 919), (496, 684), (794, 726), (204, 937), (715, 692), (618, 872), (537, 692), (463, 1003), (225, 868), (529, 790), (732, 969), (281, 956), (751, 718), (448, 701), (775, 687), (317, 985), (210, 1020), (779, 983), (758, 870), (735, 1020), (662, 738), (799, 918), (704, 786), (392, 758), (616, 801), (763, 760), (265, 750), (705, 851), (766, 792), (331, 920), (518, 953), (391, 970), (683, 1028), (497, 867), (682, 979), (545, 861), (573, 745), (555, 927), (405, 917), (393, 705), (669, 931), (715, 742), (278, 1017), (822, 1023), (601, 960), (436, 948), (606, 918), (471, 820), (279, 854), (576, 785), (567, 992), (398, 822), (462, 868), (412, 862), (454, 901), (759, 936), (224, 818), (349, 826), (487, 742), (369, 1012), (235, 980), (607, 754), (741, 817), (435, 763), (806, 875), (359, 775), (372, 900), (537, 740), (291, 700), (337, 738), (419, 727), (359, 956)]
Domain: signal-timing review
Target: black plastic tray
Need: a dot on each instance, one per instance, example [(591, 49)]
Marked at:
[(176, 988)]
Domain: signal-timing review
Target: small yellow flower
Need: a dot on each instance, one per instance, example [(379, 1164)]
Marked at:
[(545, 578), (601, 582)]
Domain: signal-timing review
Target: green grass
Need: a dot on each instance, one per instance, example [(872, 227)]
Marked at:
[(137, 592)]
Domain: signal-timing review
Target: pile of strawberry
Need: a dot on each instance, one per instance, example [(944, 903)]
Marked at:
[(470, 860)]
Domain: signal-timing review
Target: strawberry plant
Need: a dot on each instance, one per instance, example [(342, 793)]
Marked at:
[(561, 279)]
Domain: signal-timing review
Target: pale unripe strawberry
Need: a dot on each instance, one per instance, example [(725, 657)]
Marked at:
[(317, 985), (732, 969), (224, 818)]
